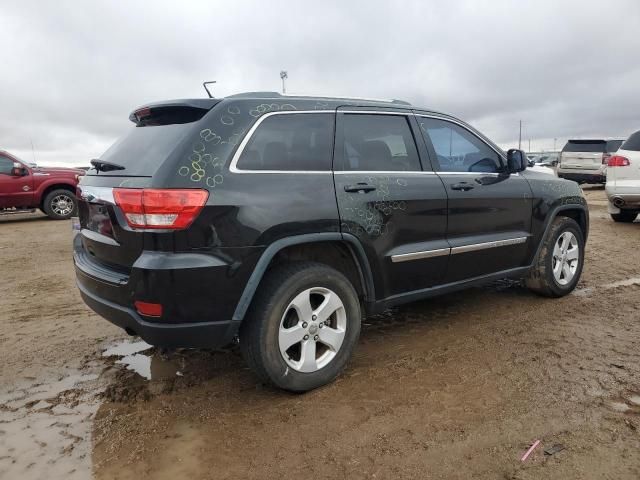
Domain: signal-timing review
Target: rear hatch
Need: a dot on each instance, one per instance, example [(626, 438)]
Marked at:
[(160, 133), (583, 154)]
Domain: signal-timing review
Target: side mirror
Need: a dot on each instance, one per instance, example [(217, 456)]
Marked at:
[(18, 170), (516, 160)]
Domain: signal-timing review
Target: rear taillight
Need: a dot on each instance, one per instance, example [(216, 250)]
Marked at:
[(618, 161), (605, 158), (173, 209)]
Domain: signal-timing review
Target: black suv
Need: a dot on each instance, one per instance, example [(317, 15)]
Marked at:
[(280, 221)]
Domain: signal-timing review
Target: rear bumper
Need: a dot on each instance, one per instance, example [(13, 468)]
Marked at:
[(599, 177), (198, 293), (188, 335), (622, 199)]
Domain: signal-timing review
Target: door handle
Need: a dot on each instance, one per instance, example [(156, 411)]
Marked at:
[(464, 186), (359, 187)]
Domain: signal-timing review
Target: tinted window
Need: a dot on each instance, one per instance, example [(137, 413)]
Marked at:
[(457, 149), (632, 143), (379, 143), (597, 146), (144, 149), (299, 142), (6, 165), (613, 145)]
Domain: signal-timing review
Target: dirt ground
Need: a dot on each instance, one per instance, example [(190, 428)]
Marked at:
[(456, 387)]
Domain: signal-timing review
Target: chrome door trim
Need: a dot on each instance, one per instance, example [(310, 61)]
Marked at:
[(406, 257), (485, 245), (440, 252)]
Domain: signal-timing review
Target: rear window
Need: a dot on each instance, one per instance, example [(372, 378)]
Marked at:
[(292, 142), (143, 149), (596, 146), (632, 143)]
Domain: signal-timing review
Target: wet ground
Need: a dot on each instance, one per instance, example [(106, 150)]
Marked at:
[(454, 387)]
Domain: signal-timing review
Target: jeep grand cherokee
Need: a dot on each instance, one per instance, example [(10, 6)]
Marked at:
[(279, 221)]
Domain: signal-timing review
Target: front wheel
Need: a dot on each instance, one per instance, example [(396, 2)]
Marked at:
[(302, 326), (559, 265), (60, 204)]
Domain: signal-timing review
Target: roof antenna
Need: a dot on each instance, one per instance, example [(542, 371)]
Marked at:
[(204, 84)]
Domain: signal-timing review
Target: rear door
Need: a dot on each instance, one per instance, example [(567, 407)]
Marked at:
[(388, 201), (583, 154), (15, 191), (489, 211)]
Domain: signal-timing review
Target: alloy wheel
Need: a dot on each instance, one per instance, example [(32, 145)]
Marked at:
[(312, 329)]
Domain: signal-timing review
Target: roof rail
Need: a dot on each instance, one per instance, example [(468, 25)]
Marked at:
[(338, 97)]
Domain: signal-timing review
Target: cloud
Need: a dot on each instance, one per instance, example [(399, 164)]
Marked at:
[(73, 70)]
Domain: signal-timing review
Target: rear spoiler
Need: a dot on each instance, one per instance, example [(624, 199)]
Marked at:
[(172, 112)]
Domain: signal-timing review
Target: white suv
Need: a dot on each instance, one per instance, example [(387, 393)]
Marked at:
[(585, 161), (623, 181)]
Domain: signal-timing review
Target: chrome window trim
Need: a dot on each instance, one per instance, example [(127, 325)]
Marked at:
[(406, 257), (236, 156), (460, 124), (486, 245), (439, 252)]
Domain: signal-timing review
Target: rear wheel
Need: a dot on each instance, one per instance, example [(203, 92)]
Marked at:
[(302, 326), (60, 204), (559, 264), (624, 216)]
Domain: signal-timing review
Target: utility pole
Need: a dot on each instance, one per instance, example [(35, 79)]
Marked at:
[(284, 76), (520, 137), (33, 151), (554, 144), (529, 145)]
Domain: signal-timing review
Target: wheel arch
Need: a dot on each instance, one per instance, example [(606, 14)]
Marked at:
[(577, 212), (312, 246)]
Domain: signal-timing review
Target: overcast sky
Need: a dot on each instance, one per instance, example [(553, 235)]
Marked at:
[(71, 71)]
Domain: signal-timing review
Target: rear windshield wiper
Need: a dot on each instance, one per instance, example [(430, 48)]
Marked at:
[(102, 166)]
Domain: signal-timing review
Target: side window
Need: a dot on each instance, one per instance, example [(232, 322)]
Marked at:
[(292, 141), (457, 149), (379, 143), (6, 165)]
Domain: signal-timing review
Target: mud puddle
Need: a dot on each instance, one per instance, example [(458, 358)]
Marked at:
[(45, 426), (146, 361)]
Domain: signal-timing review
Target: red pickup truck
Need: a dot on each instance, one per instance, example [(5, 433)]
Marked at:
[(25, 188)]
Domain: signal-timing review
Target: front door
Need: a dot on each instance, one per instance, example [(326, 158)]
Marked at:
[(394, 206), (489, 210), (15, 191)]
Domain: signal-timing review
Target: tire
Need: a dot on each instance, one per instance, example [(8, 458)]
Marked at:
[(272, 314), (543, 279), (60, 204), (624, 216)]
